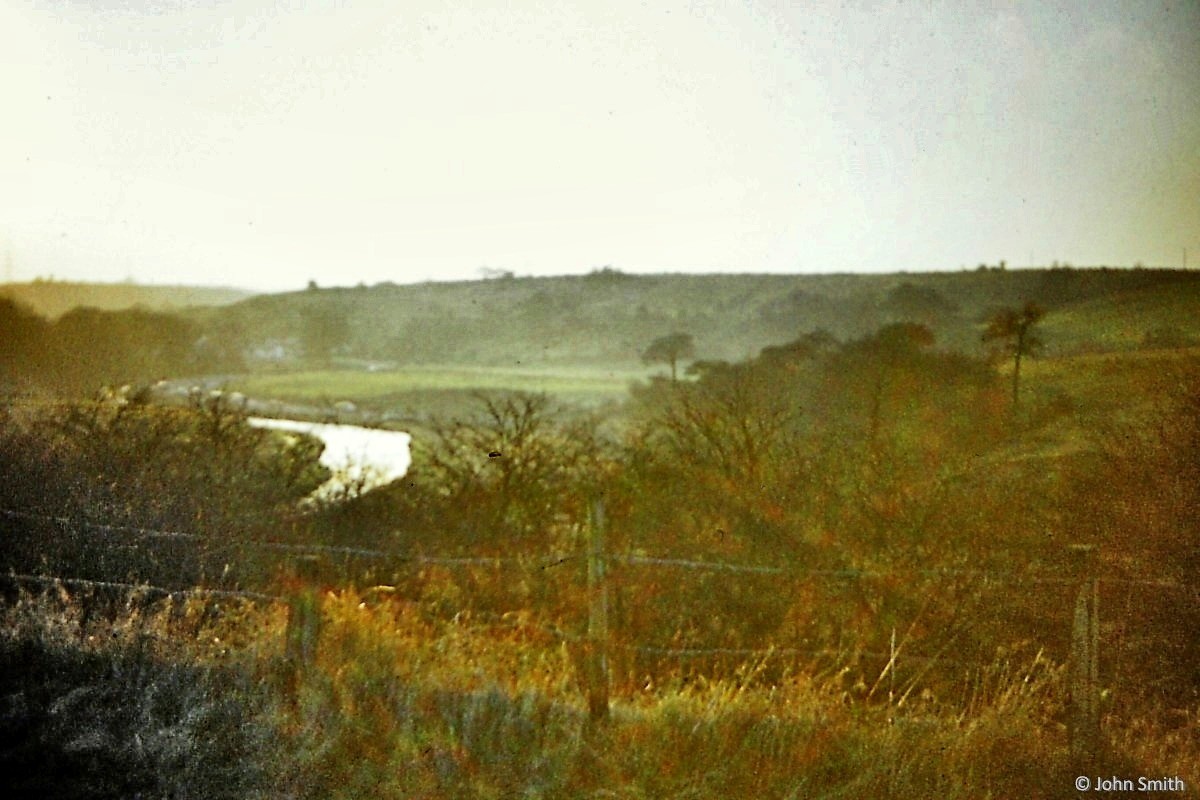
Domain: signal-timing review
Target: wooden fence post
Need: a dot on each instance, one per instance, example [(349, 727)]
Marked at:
[(597, 646), (304, 618), (1085, 659)]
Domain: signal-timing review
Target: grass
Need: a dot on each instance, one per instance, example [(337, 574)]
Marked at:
[(1121, 319), (1102, 384), (187, 701), (1068, 401), (588, 386), (125, 705)]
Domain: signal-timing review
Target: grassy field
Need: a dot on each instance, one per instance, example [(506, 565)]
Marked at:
[(1076, 400), (1121, 320), (172, 700), (1102, 384), (582, 386)]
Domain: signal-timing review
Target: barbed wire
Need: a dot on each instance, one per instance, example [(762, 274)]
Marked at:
[(551, 560), (516, 622), (99, 526), (519, 624), (683, 563), (55, 580), (998, 577)]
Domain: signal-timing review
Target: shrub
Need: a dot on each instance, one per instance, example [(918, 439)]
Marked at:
[(115, 489)]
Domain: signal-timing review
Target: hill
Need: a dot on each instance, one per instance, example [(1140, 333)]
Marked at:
[(52, 299), (607, 318)]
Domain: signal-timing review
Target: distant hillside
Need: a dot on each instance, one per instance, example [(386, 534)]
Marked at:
[(52, 299), (608, 318)]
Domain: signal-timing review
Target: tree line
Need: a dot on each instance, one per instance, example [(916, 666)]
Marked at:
[(87, 348)]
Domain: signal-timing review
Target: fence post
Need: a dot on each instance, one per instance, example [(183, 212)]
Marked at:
[(597, 650), (1085, 658), (304, 618)]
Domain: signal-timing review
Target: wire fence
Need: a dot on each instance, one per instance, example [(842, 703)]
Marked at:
[(597, 644), (634, 559), (549, 560), (144, 588), (544, 562)]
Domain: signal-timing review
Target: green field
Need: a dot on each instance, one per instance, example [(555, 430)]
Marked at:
[(1121, 320), (1104, 383), (582, 386), (1077, 400)]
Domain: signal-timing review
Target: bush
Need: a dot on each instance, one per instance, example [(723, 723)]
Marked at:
[(92, 483), (1138, 499), (515, 479), (113, 720)]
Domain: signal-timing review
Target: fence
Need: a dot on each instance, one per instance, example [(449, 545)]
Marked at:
[(304, 620)]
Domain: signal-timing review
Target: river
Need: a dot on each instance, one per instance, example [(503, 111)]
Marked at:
[(375, 457)]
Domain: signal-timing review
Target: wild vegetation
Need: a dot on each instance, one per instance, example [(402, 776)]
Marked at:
[(841, 565)]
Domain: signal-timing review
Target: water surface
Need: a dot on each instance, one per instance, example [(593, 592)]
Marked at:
[(375, 457)]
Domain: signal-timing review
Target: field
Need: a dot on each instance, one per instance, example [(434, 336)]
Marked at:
[(415, 386), (1122, 320)]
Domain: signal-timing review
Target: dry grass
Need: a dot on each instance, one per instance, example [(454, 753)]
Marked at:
[(185, 700)]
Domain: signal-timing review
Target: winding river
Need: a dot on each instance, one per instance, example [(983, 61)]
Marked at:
[(375, 457)]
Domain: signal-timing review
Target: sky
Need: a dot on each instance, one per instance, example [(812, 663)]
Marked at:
[(266, 144)]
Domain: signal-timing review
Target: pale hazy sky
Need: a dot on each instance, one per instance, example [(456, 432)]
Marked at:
[(263, 144)]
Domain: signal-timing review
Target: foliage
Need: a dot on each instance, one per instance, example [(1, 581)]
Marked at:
[(324, 330), (394, 705), (817, 456), (95, 348), (512, 477), (1015, 330), (86, 348), (903, 635), (818, 342), (670, 349), (608, 320), (1167, 336), (92, 710), (607, 274), (23, 342), (1137, 499), (201, 471), (909, 301)]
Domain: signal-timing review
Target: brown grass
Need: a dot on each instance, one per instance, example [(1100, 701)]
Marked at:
[(398, 703)]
